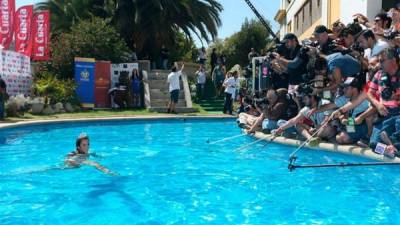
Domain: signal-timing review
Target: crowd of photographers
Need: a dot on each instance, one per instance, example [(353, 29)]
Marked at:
[(342, 85)]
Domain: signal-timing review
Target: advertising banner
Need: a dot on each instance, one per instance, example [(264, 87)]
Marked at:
[(102, 84), (15, 69), (23, 31), (41, 36), (116, 70), (7, 9), (85, 80)]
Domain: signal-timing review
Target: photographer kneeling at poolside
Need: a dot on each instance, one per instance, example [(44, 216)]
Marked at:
[(273, 111), (311, 102), (81, 156)]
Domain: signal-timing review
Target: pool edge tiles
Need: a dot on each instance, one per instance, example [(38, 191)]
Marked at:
[(330, 147), (17, 124)]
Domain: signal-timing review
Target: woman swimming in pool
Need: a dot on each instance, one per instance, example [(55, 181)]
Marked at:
[(81, 156)]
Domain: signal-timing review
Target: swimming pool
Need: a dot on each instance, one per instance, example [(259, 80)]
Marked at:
[(170, 175)]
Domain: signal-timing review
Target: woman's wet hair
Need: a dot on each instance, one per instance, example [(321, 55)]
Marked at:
[(79, 140)]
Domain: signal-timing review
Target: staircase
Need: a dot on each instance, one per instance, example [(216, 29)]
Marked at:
[(212, 105), (159, 93)]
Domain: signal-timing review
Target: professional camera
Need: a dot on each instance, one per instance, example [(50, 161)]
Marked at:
[(305, 89), (387, 92), (261, 102), (280, 48), (303, 52), (332, 47), (270, 56), (355, 47), (308, 42), (392, 35)]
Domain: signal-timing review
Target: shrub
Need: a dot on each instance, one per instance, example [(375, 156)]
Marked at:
[(55, 90), (91, 39)]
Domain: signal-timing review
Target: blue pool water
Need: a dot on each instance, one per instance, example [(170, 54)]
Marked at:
[(170, 175)]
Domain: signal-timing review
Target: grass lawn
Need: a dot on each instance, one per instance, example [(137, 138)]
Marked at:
[(104, 113)]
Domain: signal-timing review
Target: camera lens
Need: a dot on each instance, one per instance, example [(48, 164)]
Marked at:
[(386, 94)]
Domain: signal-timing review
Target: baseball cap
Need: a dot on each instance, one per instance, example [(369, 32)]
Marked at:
[(289, 36), (320, 29)]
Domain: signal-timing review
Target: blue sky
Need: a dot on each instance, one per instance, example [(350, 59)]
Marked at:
[(235, 12)]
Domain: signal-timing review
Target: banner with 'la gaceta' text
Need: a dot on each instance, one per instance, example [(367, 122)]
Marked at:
[(41, 36)]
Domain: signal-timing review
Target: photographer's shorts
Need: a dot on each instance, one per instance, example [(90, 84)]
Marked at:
[(360, 132), (174, 96)]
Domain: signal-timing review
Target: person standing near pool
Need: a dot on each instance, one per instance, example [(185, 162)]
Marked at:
[(81, 156), (174, 87), (3, 94)]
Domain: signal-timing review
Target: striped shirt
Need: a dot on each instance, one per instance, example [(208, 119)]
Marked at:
[(379, 84)]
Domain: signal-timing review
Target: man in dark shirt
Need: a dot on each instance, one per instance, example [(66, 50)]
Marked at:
[(252, 54), (3, 87), (164, 57), (293, 63), (214, 59), (325, 44)]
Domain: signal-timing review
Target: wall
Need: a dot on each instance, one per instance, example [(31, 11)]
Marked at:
[(366, 7), (309, 32), (303, 14), (334, 11)]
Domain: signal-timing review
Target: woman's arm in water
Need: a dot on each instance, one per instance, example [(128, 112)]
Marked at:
[(99, 167)]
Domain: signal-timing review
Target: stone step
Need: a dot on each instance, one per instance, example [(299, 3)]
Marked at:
[(163, 94), (178, 109), (158, 76), (163, 103), (160, 71), (160, 84)]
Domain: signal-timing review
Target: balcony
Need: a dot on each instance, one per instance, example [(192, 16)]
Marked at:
[(280, 16)]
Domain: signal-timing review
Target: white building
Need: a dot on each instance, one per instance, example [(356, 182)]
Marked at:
[(302, 16)]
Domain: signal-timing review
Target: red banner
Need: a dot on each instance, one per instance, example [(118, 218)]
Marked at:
[(41, 36), (7, 8), (23, 31)]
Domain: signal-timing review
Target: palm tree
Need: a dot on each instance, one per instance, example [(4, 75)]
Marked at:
[(65, 13), (147, 23)]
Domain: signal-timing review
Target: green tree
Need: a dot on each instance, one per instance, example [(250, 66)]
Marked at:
[(92, 38), (66, 13), (236, 47)]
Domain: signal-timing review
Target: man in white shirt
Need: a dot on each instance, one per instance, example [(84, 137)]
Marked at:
[(372, 48), (230, 84), (201, 81), (174, 87)]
